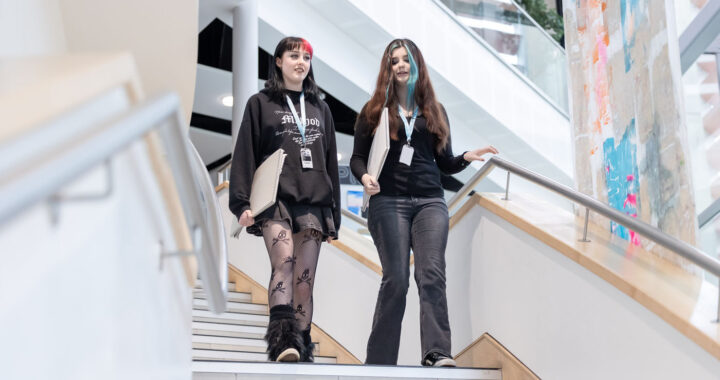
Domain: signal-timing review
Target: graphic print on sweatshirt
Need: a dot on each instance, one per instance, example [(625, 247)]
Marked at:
[(313, 131)]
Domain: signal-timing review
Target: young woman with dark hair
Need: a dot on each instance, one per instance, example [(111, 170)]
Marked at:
[(407, 209), (290, 114)]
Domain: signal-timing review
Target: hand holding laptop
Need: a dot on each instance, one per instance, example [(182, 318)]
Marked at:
[(370, 184), (247, 219)]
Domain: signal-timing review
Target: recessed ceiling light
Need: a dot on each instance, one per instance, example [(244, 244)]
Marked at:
[(227, 100)]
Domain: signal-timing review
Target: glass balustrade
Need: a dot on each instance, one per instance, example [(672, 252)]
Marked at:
[(520, 41), (702, 117)]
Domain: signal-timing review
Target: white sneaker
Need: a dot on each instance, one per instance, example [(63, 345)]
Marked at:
[(435, 359)]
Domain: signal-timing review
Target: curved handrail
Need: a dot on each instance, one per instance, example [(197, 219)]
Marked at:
[(21, 190), (653, 233), (213, 217), (354, 217)]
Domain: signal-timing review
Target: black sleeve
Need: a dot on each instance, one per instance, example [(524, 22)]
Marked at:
[(331, 161), (361, 146), (245, 158), (446, 161)]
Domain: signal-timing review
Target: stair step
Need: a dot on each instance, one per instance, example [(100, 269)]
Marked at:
[(228, 344), (199, 285), (216, 370), (234, 307), (228, 330), (241, 356), (230, 318), (223, 343), (231, 296)]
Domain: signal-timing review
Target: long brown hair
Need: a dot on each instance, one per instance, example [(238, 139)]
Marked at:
[(424, 96)]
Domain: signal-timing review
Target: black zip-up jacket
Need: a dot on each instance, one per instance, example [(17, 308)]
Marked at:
[(267, 126)]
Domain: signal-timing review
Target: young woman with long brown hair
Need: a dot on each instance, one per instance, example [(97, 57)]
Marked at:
[(407, 209), (290, 114)]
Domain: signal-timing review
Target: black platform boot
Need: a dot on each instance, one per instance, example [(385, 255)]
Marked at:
[(309, 347), (283, 337)]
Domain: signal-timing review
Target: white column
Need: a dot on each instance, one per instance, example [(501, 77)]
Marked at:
[(244, 59)]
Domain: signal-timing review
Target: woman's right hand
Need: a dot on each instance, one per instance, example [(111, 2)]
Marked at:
[(246, 219), (371, 185)]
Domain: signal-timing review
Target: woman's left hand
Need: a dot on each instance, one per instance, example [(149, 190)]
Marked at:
[(476, 155), (329, 239)]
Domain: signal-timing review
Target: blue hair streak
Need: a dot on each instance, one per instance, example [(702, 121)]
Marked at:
[(412, 78)]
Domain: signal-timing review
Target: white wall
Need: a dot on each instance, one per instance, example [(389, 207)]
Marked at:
[(564, 322), (161, 34), (31, 27), (86, 298)]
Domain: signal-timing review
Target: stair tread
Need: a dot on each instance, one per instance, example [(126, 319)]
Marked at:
[(230, 318), (228, 340), (231, 296), (234, 307), (333, 371), (199, 285), (230, 330), (242, 356)]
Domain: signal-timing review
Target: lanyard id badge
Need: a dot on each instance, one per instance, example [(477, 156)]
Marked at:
[(407, 151), (305, 154), (306, 158), (406, 154)]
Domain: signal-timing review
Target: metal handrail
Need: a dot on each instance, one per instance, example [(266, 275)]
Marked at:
[(653, 233), (492, 51), (676, 245), (223, 173), (21, 189), (354, 217), (709, 213)]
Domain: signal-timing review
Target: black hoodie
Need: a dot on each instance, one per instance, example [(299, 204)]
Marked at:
[(268, 125)]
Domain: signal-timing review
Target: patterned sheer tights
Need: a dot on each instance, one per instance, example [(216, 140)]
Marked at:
[(294, 259)]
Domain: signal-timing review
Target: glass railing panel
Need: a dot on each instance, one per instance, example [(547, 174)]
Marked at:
[(707, 241), (702, 117), (702, 114), (520, 41)]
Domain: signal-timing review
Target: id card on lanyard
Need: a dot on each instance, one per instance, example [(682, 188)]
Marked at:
[(407, 152), (305, 154)]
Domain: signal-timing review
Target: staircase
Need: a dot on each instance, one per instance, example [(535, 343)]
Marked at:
[(235, 335), (230, 346)]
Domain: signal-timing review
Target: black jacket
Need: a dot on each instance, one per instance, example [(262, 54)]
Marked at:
[(422, 177), (267, 126)]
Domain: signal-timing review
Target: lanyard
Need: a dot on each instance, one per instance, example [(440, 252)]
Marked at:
[(408, 127), (299, 122)]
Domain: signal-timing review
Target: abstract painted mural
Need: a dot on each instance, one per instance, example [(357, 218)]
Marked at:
[(629, 133)]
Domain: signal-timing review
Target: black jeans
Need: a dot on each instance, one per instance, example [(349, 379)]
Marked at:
[(398, 224)]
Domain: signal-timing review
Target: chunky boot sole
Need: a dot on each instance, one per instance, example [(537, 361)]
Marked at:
[(288, 355), (284, 340)]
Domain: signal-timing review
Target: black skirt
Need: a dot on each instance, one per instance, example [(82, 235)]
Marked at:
[(300, 217)]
